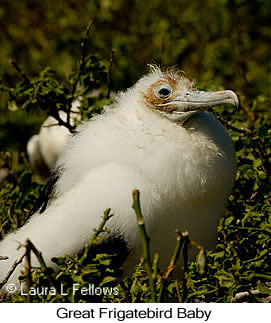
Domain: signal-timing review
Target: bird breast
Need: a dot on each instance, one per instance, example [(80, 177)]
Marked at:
[(180, 161)]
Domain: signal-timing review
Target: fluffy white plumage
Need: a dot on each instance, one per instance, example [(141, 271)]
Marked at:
[(44, 148), (156, 139)]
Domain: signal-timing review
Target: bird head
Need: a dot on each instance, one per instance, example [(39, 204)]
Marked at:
[(176, 97)]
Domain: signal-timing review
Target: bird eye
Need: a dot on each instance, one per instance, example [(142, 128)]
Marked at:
[(163, 91)]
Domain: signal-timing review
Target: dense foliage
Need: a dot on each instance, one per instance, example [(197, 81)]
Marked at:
[(220, 44)]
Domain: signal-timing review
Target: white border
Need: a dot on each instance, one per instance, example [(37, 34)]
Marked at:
[(220, 313)]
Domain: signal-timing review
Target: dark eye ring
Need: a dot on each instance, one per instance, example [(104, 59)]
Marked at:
[(163, 91)]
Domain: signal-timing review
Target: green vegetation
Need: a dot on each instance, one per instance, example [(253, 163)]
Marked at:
[(221, 44)]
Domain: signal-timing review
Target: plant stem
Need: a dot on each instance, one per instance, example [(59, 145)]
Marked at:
[(94, 237), (109, 76), (172, 264), (145, 240), (43, 267), (28, 271), (185, 260), (80, 69), (155, 266), (11, 270), (178, 291), (18, 69)]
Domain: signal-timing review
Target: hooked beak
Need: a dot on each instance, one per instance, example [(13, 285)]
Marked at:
[(185, 105), (201, 100)]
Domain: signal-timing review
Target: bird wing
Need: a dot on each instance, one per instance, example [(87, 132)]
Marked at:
[(68, 223)]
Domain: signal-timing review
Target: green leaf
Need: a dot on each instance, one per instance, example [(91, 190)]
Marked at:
[(107, 279)]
